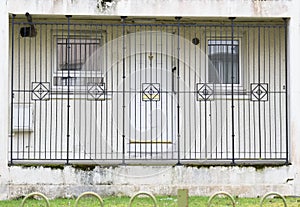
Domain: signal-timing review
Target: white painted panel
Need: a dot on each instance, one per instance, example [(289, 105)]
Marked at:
[(23, 117)]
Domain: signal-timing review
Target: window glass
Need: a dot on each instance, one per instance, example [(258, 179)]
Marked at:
[(223, 61), (80, 50)]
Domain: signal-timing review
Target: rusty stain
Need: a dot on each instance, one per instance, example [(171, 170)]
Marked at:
[(257, 7), (263, 8)]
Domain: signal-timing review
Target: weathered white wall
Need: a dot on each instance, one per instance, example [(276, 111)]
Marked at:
[(245, 181), (4, 85), (161, 180), (192, 8)]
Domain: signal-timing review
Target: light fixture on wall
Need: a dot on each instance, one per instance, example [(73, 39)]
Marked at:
[(28, 31), (195, 41)]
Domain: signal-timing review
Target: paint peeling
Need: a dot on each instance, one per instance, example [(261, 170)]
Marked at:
[(263, 7), (105, 5)]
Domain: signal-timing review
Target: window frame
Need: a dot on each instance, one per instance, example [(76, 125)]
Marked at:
[(237, 87), (75, 73)]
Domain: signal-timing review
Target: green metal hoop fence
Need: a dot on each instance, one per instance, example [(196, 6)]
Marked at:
[(35, 194), (143, 193), (274, 194), (90, 194), (220, 193)]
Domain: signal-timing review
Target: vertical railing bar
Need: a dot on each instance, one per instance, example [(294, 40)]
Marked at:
[(35, 107), (51, 86), (200, 80), (259, 101), (249, 102), (117, 112), (219, 84), (184, 94), (140, 107), (232, 88), (129, 87), (68, 98), (243, 81), (18, 87), (24, 93), (94, 61), (264, 80), (56, 100), (64, 52), (286, 90), (151, 102), (214, 33), (204, 80), (238, 92), (249, 81), (275, 97), (165, 68), (112, 88), (178, 89), (254, 81), (96, 127), (187, 104), (35, 67), (205, 101), (145, 69), (74, 57), (100, 62), (192, 85), (269, 79), (12, 87), (93, 103), (135, 88), (280, 88), (40, 80), (77, 33), (86, 104), (83, 105), (172, 128), (123, 93), (161, 81), (46, 79), (207, 104), (156, 81), (227, 106), (226, 103), (105, 72), (29, 86), (215, 103)]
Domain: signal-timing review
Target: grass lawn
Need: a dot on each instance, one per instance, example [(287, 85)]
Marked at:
[(163, 201)]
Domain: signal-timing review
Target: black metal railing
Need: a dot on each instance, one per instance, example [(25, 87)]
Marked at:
[(180, 93)]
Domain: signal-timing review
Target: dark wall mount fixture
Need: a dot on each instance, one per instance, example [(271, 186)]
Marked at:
[(28, 31), (195, 41)]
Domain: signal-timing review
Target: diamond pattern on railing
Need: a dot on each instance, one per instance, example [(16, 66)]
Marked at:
[(204, 92), (259, 92), (151, 92), (96, 91), (40, 91)]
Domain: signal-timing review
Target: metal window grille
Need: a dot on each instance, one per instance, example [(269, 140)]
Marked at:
[(166, 93)]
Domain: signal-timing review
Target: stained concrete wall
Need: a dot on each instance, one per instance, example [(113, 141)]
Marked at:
[(243, 181), (161, 180)]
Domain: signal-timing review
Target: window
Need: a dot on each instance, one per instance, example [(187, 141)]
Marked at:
[(81, 59), (223, 57)]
